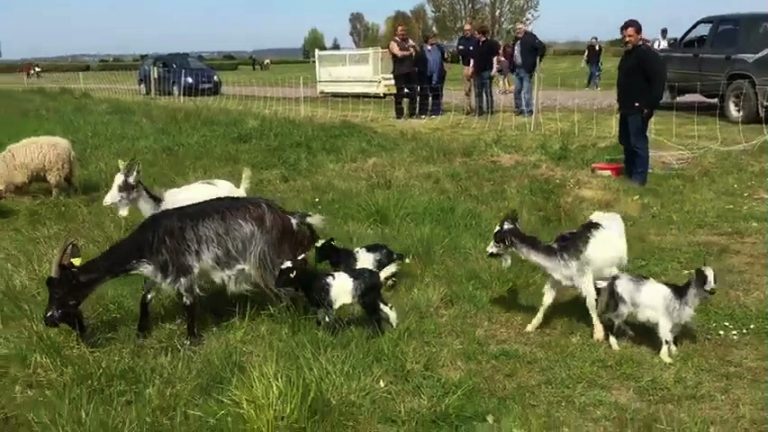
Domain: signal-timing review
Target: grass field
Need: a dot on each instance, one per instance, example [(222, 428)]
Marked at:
[(556, 72), (460, 359)]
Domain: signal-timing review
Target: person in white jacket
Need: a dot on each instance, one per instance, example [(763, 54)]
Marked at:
[(661, 43)]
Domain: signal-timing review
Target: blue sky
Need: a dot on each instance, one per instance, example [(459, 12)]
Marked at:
[(52, 27)]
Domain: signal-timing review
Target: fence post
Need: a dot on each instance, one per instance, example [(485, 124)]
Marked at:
[(82, 86), (301, 95), (153, 80), (181, 86)]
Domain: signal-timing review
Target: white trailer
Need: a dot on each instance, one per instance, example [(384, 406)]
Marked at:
[(362, 71)]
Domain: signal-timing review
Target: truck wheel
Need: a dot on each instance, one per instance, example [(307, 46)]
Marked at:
[(741, 102)]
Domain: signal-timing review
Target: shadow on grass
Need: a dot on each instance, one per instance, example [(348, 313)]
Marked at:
[(6, 212), (574, 308), (214, 308)]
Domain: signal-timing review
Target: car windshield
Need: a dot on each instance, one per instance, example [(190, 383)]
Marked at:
[(189, 63)]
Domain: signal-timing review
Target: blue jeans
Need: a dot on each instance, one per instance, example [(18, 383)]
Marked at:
[(523, 92), (594, 75), (633, 136), (483, 93)]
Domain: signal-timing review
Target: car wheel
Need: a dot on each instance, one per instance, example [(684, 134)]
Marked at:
[(741, 102)]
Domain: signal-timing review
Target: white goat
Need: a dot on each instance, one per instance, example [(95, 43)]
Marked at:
[(127, 190), (594, 251), (667, 306)]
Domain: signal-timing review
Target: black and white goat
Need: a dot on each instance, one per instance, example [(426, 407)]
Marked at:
[(128, 190), (238, 242), (596, 250), (667, 306), (326, 292), (375, 256)]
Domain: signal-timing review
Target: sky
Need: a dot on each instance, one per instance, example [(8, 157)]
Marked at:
[(55, 27)]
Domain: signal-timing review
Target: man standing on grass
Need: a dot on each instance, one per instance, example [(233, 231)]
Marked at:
[(481, 66), (465, 47), (403, 51), (639, 89), (527, 52), (661, 43)]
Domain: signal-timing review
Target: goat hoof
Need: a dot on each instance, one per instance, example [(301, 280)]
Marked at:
[(666, 359), (529, 328)]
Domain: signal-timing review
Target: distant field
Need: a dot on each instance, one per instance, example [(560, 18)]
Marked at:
[(556, 72)]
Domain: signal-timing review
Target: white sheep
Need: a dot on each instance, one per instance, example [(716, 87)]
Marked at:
[(38, 158)]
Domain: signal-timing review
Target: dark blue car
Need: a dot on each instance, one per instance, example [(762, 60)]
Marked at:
[(178, 74)]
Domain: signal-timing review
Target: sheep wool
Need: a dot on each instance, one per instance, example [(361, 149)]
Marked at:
[(38, 158)]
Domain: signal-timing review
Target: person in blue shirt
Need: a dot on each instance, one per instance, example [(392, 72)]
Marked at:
[(432, 72), (465, 48)]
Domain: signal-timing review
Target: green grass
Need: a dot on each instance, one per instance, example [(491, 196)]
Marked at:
[(460, 354), (557, 72)]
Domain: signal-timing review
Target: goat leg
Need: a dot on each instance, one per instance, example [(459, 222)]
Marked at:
[(144, 326), (190, 308)]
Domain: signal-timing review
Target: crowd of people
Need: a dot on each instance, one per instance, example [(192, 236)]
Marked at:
[(419, 72)]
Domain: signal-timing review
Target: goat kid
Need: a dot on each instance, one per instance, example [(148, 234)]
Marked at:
[(667, 306), (238, 242), (594, 251), (326, 292), (128, 190), (374, 256)]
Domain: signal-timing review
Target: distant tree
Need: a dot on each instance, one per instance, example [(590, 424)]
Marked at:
[(335, 44), (500, 15), (143, 56), (314, 39), (372, 35), (229, 57), (420, 22), (358, 27)]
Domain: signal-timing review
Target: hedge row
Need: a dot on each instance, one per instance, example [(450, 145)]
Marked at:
[(221, 65), (230, 65)]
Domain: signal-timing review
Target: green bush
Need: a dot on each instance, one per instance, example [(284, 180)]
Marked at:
[(124, 66)]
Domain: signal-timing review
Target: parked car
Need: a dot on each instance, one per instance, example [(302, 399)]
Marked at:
[(178, 74), (723, 57)]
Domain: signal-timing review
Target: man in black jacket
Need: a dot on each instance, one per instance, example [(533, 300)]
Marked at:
[(527, 52), (639, 88)]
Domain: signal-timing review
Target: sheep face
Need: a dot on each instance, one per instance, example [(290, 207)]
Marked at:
[(287, 277), (65, 290), (124, 190), (501, 244)]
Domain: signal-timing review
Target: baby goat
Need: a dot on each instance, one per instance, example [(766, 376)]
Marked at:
[(326, 292), (665, 305), (375, 256), (596, 250), (237, 242), (127, 190)]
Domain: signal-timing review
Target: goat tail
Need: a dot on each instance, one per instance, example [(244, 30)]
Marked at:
[(388, 271), (245, 180), (314, 219), (389, 311)]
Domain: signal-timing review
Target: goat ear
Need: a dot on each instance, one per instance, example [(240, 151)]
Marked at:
[(511, 217), (700, 278), (332, 240)]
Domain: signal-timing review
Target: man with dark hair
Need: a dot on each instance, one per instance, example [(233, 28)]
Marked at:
[(403, 52), (481, 67), (528, 50), (465, 48), (639, 88)]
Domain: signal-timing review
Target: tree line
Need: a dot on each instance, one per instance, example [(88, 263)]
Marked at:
[(444, 17)]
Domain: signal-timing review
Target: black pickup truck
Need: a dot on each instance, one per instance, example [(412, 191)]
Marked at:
[(723, 57)]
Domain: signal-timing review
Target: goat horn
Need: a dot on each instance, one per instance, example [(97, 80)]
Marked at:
[(58, 257)]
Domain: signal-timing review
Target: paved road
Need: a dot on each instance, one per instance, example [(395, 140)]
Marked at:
[(547, 98)]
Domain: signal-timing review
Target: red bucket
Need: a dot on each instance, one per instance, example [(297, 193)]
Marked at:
[(608, 169)]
